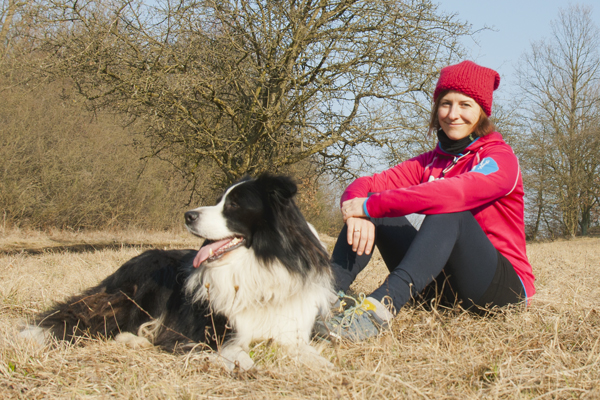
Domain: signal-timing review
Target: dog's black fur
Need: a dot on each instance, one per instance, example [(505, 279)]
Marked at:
[(151, 282)]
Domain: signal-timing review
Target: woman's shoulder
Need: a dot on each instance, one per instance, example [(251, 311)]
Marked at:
[(429, 155), (493, 142), (423, 160)]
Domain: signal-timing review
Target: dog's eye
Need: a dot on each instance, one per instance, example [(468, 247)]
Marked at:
[(233, 204)]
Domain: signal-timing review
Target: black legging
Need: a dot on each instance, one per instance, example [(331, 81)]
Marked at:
[(451, 246)]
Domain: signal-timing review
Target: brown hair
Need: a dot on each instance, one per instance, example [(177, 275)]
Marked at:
[(483, 126)]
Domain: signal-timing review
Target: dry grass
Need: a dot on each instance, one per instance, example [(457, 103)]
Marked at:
[(550, 351)]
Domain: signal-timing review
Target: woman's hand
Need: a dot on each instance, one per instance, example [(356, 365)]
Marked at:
[(353, 208), (361, 235), (361, 231)]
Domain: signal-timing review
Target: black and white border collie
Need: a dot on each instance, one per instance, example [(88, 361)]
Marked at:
[(261, 274)]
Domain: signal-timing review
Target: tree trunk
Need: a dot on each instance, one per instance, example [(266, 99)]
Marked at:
[(584, 224), (12, 8)]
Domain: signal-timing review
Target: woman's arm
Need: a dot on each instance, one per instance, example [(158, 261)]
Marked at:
[(405, 174), (495, 176), (361, 231)]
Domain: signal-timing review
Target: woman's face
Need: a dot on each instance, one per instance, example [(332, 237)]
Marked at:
[(458, 114)]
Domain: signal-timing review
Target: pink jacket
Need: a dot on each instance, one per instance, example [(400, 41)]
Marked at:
[(485, 180)]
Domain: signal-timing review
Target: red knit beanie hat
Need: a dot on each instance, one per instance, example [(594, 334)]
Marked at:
[(471, 79)]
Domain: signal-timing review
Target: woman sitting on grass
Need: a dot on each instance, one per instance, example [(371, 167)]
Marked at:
[(470, 246)]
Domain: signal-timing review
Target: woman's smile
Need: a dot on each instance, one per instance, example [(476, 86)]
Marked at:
[(458, 115)]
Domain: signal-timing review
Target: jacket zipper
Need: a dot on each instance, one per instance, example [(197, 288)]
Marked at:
[(454, 162)]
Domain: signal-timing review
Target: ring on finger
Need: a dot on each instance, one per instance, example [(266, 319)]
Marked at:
[(357, 230)]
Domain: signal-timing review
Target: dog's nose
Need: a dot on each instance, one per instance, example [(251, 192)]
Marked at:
[(191, 216)]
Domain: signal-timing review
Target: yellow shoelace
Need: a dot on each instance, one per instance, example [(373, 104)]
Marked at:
[(360, 306)]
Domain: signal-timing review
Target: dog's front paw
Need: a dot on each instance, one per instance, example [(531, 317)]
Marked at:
[(315, 360), (234, 356), (308, 355), (35, 334), (133, 341)]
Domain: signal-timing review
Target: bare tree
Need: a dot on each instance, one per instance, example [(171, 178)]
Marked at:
[(6, 17), (251, 85), (560, 79), (8, 10)]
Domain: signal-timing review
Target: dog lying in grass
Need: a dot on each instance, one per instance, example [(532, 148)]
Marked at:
[(261, 274)]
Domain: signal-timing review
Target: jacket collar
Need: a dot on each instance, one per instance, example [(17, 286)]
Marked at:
[(473, 147)]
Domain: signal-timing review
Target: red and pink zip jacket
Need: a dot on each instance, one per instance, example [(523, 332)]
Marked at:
[(485, 179)]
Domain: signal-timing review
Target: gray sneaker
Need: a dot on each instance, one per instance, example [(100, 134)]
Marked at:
[(352, 319)]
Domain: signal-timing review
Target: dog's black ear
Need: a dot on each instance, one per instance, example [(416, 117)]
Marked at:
[(282, 187)]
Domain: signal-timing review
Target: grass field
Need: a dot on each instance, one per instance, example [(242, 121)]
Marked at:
[(550, 351)]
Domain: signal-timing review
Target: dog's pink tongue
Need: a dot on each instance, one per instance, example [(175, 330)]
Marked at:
[(205, 251)]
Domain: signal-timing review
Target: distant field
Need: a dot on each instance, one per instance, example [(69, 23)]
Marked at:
[(550, 351)]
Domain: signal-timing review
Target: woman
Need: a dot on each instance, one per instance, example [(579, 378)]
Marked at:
[(470, 247)]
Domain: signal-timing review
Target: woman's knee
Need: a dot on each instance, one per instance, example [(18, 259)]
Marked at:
[(448, 220), (449, 217)]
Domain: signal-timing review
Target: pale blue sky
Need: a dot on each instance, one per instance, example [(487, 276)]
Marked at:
[(516, 24)]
